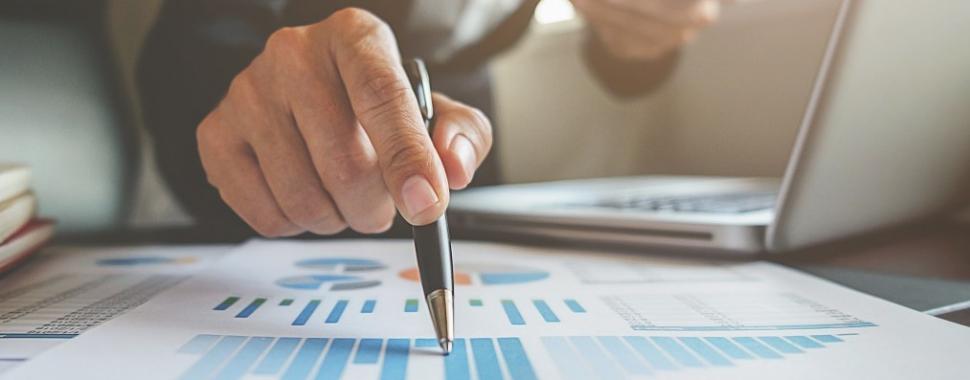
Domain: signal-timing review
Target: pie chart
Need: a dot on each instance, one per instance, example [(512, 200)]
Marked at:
[(338, 264), (487, 274), (326, 281), (145, 260)]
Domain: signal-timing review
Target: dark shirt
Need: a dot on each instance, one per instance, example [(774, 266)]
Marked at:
[(197, 46)]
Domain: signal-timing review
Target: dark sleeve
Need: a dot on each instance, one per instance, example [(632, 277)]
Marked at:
[(626, 78), (189, 58)]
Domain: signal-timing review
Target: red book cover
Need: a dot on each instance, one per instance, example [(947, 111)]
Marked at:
[(30, 238)]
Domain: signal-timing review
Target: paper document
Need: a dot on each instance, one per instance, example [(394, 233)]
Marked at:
[(353, 310), (67, 290)]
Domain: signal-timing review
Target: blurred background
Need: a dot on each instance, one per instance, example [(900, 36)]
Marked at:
[(732, 107)]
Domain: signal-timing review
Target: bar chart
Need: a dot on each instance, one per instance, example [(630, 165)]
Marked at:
[(727, 312), (573, 357), (543, 310)]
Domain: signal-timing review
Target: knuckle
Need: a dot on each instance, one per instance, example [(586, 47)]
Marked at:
[(359, 21), (385, 94), (309, 210), (375, 224), (271, 227), (406, 154), (283, 40)]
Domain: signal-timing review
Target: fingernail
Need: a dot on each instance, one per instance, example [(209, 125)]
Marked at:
[(465, 151), (418, 195)]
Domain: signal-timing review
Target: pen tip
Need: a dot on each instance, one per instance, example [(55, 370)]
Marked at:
[(445, 346)]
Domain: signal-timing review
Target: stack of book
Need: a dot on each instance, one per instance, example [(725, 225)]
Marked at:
[(21, 232)]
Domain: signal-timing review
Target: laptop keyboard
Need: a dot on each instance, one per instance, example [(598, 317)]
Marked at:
[(723, 203)]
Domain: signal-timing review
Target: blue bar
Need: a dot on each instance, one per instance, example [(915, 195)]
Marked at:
[(709, 354), (757, 348), (226, 303), (780, 345), (512, 312), (425, 342), (827, 338), (336, 359), (545, 311), (650, 352), (368, 351), (731, 349), (239, 365), (198, 344), (306, 313), (804, 342), (486, 359), (368, 306), (515, 359), (456, 363), (569, 363), (411, 305), (337, 311), (574, 306), (623, 354), (395, 359), (306, 359), (246, 312), (214, 358), (277, 356), (676, 351), (594, 355)]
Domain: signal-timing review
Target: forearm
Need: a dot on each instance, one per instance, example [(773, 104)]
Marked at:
[(627, 78)]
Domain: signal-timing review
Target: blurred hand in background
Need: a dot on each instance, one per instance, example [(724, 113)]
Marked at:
[(646, 30)]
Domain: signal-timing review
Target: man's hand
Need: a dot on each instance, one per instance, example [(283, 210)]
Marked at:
[(647, 29), (322, 131)]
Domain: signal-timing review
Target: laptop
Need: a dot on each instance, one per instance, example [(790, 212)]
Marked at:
[(885, 140)]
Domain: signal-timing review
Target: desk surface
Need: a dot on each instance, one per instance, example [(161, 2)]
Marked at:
[(914, 263)]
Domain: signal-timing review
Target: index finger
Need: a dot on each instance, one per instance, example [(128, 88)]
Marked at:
[(368, 62)]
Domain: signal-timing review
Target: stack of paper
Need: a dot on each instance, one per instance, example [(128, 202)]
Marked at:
[(352, 310), (20, 233)]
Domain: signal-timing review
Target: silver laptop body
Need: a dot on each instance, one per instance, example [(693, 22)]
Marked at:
[(885, 140)]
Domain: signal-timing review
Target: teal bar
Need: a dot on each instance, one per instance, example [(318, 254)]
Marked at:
[(395, 359), (225, 304), (456, 363), (337, 311), (286, 302), (475, 302), (512, 312), (706, 352), (574, 306), (780, 345), (306, 359), (368, 306), (199, 344), (676, 351), (251, 308), (486, 359), (804, 342), (306, 313), (239, 365), (218, 354), (597, 359), (650, 353), (569, 363), (368, 351), (545, 311), (411, 305), (516, 359), (757, 348), (336, 360), (827, 338), (624, 355), (273, 362), (730, 349)]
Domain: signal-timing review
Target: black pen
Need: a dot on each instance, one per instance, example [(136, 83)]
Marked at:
[(431, 242)]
